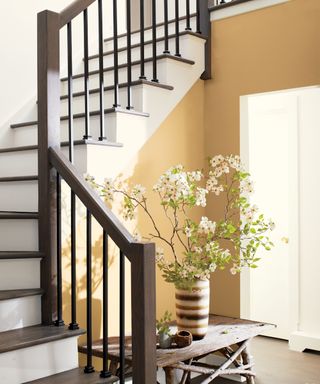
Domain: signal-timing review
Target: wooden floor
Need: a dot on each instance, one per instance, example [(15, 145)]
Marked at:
[(275, 364)]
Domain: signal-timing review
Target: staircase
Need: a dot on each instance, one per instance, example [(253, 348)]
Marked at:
[(109, 107)]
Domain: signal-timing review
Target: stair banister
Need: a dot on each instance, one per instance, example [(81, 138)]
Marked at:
[(52, 162), (73, 10)]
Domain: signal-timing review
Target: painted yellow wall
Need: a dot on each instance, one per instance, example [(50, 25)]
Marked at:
[(270, 49)]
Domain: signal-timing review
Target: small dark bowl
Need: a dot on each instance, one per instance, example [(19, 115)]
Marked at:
[(183, 339)]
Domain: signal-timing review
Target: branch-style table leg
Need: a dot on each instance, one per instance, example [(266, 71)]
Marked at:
[(248, 359), (169, 375)]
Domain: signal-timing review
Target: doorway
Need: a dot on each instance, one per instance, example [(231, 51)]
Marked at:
[(279, 145)]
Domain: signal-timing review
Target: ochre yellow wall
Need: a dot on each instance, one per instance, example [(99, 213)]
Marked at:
[(179, 140), (270, 49)]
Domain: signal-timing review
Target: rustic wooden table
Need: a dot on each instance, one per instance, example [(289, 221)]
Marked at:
[(227, 336)]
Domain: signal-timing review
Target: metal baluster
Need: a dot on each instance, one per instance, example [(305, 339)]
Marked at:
[(115, 54), (129, 59), (89, 367), (154, 42), (70, 93), (166, 28), (101, 72), (59, 322), (142, 74), (87, 134), (198, 27), (177, 28), (122, 317), (188, 27), (73, 325), (105, 372)]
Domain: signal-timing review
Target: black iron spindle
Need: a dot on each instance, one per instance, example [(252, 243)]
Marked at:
[(70, 92), (177, 32), (87, 134), (105, 372), (166, 27), (122, 317), (142, 74), (198, 27), (101, 72), (89, 367), (154, 42), (129, 58), (188, 27), (73, 325), (59, 322), (115, 54)]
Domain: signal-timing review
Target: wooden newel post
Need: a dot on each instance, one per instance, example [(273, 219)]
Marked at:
[(143, 288), (205, 29), (48, 136)]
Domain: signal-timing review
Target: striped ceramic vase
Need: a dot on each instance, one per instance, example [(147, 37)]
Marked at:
[(192, 308)]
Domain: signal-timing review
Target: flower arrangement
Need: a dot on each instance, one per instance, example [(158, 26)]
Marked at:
[(207, 245)]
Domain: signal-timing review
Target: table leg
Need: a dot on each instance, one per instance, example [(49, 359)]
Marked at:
[(248, 359), (169, 375)]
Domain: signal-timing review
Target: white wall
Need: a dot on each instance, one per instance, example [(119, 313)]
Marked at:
[(18, 47)]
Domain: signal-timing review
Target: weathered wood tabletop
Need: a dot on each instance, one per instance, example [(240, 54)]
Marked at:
[(223, 332)]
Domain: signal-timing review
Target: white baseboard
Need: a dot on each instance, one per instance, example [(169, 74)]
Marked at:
[(299, 341)]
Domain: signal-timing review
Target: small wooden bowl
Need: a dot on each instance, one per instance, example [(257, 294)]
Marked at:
[(183, 339)]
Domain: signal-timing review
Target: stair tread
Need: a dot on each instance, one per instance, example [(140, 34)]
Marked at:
[(17, 293), (18, 215), (171, 21), (75, 376), (18, 178), (63, 144), (136, 62), (122, 85), (148, 42), (35, 335), (82, 115), (20, 255)]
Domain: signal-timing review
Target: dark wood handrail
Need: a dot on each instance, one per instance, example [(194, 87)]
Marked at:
[(73, 10), (91, 200)]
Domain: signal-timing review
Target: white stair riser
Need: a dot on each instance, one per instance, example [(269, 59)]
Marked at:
[(29, 135), (78, 84), (19, 235), (19, 196), (18, 163), (23, 163), (78, 102), (19, 274), (19, 313), (39, 361), (94, 103), (135, 53), (135, 37)]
